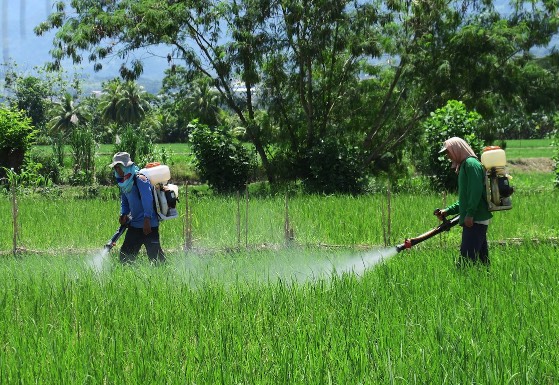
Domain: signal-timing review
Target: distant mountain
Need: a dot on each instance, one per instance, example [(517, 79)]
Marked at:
[(21, 45)]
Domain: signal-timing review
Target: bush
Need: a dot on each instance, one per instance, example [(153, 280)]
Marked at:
[(446, 122), (48, 166), (137, 143), (334, 167), (221, 160), (16, 137), (83, 156)]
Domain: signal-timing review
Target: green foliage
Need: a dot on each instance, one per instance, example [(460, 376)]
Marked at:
[(49, 166), (334, 168), (449, 121), (83, 154), (16, 137), (556, 146), (305, 64), (30, 176), (124, 102), (220, 158), (137, 143)]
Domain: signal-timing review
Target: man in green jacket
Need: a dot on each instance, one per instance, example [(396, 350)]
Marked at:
[(472, 201)]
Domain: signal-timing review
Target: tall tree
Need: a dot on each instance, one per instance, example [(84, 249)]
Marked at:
[(308, 61), (124, 102), (221, 40)]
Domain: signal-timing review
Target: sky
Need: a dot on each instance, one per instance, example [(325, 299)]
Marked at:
[(20, 44)]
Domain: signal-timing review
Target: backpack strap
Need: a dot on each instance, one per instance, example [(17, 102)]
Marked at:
[(136, 176)]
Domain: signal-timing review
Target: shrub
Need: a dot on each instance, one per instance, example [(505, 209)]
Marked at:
[(220, 158), (83, 154), (137, 143), (334, 167), (16, 137), (49, 167), (446, 122)]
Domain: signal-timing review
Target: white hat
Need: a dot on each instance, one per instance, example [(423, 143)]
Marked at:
[(122, 158)]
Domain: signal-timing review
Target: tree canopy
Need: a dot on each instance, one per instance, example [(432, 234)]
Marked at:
[(295, 72)]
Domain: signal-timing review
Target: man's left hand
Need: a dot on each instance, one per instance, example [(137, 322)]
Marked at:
[(469, 221), (147, 226)]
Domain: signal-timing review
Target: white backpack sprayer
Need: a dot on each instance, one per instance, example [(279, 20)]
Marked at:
[(165, 194), (497, 187), (497, 181), (165, 197)]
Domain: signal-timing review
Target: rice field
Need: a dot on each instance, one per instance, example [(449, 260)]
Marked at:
[(413, 318), (335, 305)]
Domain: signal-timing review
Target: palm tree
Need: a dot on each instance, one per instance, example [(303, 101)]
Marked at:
[(132, 103), (203, 101), (124, 103), (65, 117), (109, 100)]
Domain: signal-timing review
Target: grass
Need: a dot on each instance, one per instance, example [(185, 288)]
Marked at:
[(412, 319), (530, 148), (281, 314)]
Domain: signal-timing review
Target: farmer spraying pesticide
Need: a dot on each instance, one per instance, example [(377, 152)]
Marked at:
[(472, 205), (136, 211)]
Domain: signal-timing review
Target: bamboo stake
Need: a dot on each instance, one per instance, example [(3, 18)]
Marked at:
[(14, 214), (187, 221), (389, 217), (238, 220), (288, 231), (246, 219), (383, 224), (443, 206)]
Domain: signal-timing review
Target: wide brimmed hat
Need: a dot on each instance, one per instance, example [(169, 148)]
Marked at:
[(443, 149), (122, 158)]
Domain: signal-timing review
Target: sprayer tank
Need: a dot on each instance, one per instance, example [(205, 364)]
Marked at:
[(157, 174), (493, 156)]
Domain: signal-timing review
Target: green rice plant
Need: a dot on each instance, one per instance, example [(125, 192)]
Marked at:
[(206, 319), (48, 223)]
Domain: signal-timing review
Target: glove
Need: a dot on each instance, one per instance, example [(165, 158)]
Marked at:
[(440, 213), (123, 219)]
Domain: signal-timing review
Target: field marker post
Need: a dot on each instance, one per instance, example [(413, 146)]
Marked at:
[(386, 229), (287, 229), (389, 207), (444, 205), (12, 177), (238, 220), (246, 217), (187, 221)]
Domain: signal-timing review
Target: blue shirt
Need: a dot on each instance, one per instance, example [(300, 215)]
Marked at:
[(139, 204)]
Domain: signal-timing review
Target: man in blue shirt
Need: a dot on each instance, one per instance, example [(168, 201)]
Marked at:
[(136, 208)]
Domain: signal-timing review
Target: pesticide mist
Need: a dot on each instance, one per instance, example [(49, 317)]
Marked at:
[(100, 261), (289, 265)]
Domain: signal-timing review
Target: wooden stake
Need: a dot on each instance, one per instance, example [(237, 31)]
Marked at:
[(389, 217), (14, 213), (238, 220), (383, 224), (246, 219), (287, 230), (187, 221)]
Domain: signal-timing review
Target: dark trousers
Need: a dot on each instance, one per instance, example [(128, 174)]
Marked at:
[(474, 244), (134, 240)]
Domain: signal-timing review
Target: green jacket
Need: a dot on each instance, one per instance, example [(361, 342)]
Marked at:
[(472, 197)]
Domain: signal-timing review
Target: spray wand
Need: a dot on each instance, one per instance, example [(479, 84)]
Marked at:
[(121, 230), (445, 226)]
